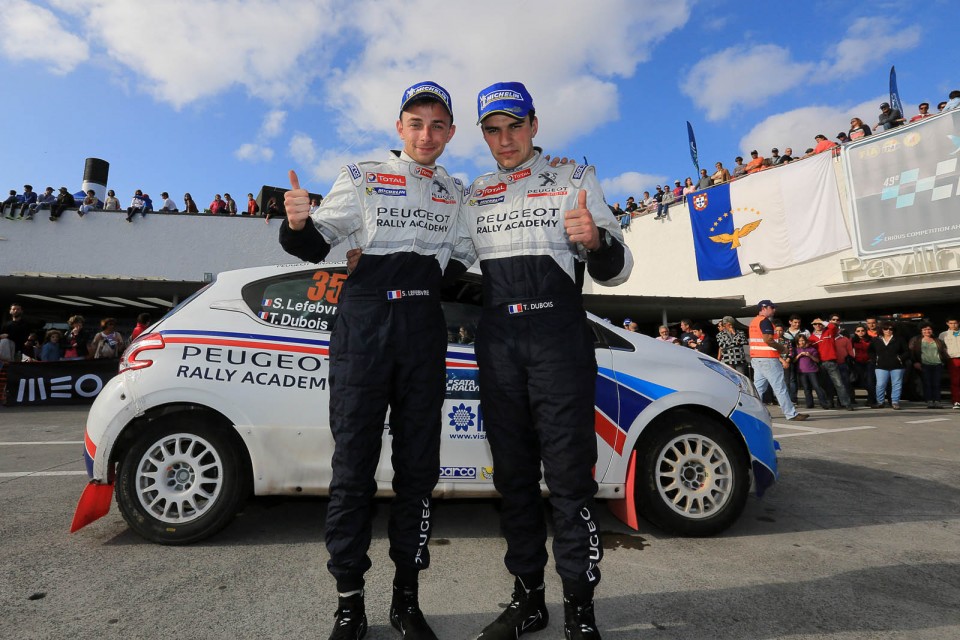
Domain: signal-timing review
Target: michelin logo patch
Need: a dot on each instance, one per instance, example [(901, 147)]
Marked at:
[(386, 191), (504, 94)]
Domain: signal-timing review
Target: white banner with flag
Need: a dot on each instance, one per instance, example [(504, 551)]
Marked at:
[(776, 218)]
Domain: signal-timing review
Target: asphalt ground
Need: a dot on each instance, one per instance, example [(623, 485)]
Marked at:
[(859, 539)]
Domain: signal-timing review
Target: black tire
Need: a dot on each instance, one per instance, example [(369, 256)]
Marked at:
[(195, 490), (692, 477)]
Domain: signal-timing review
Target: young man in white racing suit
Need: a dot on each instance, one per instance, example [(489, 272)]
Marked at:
[(388, 348), (534, 228)]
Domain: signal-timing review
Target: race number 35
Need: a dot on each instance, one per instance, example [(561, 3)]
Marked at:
[(326, 286)]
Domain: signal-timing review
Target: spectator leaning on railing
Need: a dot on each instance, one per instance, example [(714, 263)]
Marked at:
[(953, 102), (924, 108), (889, 118), (823, 144), (756, 162), (721, 175)]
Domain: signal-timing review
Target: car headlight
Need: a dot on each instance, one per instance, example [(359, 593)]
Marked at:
[(734, 376)]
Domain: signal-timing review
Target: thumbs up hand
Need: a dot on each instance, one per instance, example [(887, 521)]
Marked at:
[(297, 203), (580, 226)]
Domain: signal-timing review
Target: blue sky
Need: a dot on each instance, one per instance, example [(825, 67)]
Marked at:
[(211, 96)]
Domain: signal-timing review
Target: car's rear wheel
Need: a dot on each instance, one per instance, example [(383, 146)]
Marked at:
[(693, 477), (181, 481)]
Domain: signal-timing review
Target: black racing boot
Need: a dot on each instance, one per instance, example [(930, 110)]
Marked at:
[(351, 621), (527, 612), (578, 621), (406, 617)]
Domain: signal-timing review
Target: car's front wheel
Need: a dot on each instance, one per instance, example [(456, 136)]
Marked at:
[(181, 481), (693, 477)]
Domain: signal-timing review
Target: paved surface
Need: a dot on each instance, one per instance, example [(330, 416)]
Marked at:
[(860, 539)]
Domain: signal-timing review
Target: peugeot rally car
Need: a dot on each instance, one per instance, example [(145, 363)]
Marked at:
[(228, 395)]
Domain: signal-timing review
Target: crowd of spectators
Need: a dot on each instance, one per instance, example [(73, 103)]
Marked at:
[(664, 196), (24, 340), (24, 206), (832, 360)]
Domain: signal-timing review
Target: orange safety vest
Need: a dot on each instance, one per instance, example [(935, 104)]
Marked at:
[(759, 348)]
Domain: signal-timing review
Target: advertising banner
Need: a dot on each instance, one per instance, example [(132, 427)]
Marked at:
[(63, 382), (903, 186)]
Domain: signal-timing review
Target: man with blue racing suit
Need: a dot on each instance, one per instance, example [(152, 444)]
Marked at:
[(388, 348), (534, 228)]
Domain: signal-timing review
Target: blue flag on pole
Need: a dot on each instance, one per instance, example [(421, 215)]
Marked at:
[(894, 93), (693, 146)]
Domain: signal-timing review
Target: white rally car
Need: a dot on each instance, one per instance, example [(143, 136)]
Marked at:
[(228, 395)]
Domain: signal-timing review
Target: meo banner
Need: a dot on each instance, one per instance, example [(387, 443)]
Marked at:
[(61, 382), (777, 218)]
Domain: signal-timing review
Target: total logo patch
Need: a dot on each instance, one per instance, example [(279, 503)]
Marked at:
[(386, 178), (519, 175), (500, 187), (423, 172)]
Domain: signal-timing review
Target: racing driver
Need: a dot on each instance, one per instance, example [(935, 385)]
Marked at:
[(534, 228), (388, 348)]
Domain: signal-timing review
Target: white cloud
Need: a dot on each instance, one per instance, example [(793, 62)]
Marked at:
[(747, 77), (867, 41), (630, 183), (186, 50), (570, 61), (259, 151), (734, 77), (797, 128), (273, 124), (323, 165), (31, 32), (253, 153), (303, 149), (346, 57)]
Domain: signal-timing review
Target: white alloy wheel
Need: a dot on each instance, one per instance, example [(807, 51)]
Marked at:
[(179, 478)]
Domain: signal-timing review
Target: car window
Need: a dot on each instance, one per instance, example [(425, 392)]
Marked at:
[(603, 336), (182, 304), (302, 300)]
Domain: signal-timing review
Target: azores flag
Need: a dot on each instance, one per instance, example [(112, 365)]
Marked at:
[(776, 218)]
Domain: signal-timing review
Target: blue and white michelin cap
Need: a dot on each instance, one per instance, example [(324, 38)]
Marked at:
[(424, 90), (509, 98)]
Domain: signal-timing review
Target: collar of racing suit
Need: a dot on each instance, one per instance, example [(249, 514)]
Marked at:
[(537, 151), (431, 169)]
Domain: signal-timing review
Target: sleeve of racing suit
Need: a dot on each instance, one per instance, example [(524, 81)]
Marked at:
[(341, 213), (464, 252), (306, 244), (607, 262), (338, 217), (611, 264)]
